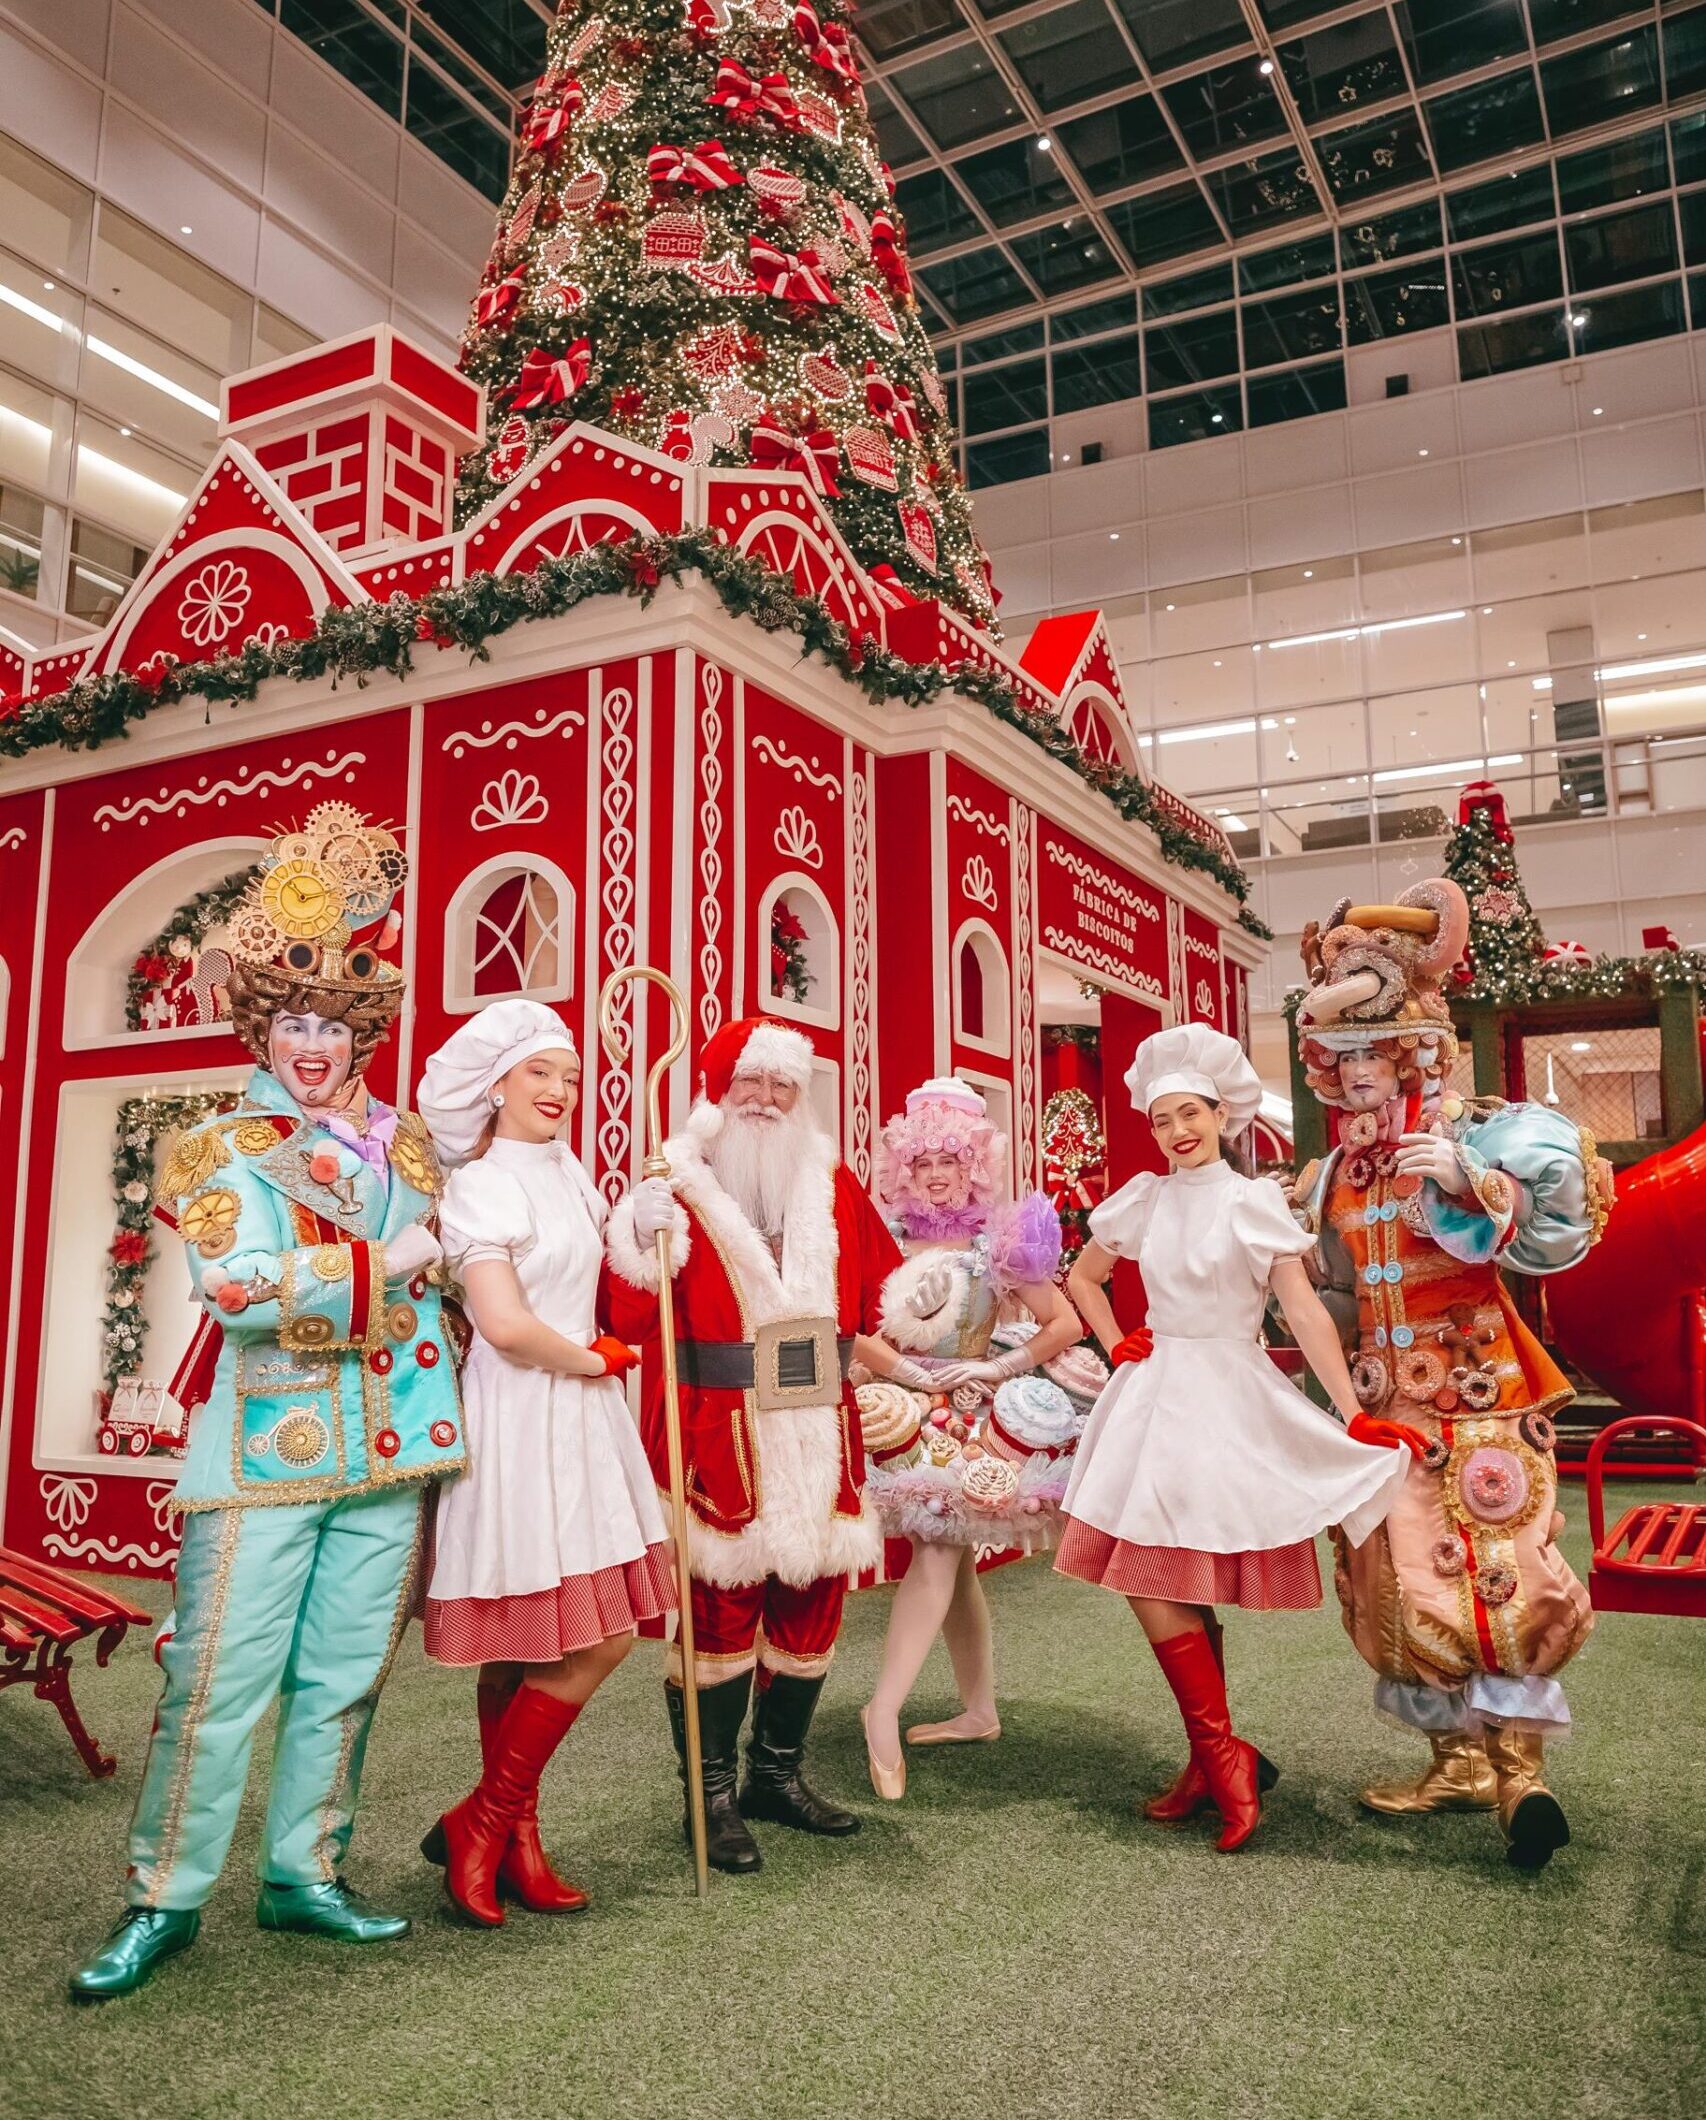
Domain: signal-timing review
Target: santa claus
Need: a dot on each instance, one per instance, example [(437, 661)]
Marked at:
[(779, 1258)]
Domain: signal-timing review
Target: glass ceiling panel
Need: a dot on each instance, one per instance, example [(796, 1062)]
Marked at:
[(1227, 107), (1510, 201), (1445, 37), (1393, 235), (935, 212), (1554, 19), (977, 285), (1253, 196), (958, 97), (1062, 260), (1192, 290), (889, 27), (1627, 169), (1353, 62), (1123, 145), (1106, 315), (1070, 54), (1605, 81), (1286, 14), (1374, 158), (1016, 182), (1164, 224), (1494, 118), (506, 37), (1685, 54), (1172, 33), (900, 144), (1309, 260)]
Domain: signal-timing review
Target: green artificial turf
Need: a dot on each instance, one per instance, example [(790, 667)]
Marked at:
[(1010, 1940)]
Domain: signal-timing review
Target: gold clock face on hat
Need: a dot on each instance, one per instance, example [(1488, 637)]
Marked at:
[(301, 899)]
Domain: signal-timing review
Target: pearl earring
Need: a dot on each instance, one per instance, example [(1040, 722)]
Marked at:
[(497, 1100)]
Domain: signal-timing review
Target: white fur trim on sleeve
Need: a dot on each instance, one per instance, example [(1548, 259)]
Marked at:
[(637, 1263), (773, 1049)]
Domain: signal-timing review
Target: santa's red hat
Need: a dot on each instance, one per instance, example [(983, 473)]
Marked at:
[(754, 1046)]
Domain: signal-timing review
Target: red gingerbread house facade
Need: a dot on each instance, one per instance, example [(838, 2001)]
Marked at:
[(657, 777)]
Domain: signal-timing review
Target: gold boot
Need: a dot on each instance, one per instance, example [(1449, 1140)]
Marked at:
[(1460, 1779), (1532, 1817)]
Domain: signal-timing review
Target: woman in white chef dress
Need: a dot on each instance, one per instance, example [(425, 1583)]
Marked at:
[(1204, 1476), (551, 1549)]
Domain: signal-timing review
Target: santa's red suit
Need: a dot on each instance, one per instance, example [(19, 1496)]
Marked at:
[(778, 1518)]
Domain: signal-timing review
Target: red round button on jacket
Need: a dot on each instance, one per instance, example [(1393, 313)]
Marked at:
[(380, 1360), (387, 1442), (443, 1433), (418, 1286), (426, 1354)]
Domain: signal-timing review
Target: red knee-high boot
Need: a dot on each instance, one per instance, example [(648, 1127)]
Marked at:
[(1189, 1793), (525, 1874), (471, 1840), (1227, 1763)]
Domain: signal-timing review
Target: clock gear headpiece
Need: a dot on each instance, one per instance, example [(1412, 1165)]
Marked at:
[(307, 934)]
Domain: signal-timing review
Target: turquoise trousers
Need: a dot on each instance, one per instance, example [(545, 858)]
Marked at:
[(305, 1605)]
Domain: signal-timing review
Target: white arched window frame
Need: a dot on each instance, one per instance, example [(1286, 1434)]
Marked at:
[(806, 901), (997, 1094), (100, 963), (996, 1036), (536, 944), (1096, 703)]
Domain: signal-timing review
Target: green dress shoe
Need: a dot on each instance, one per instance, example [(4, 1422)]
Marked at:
[(326, 1910), (145, 1937)]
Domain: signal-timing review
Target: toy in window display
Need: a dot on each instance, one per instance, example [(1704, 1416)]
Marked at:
[(778, 1258), (1204, 1476), (1463, 1604), (968, 1444), (552, 1549), (306, 1212)]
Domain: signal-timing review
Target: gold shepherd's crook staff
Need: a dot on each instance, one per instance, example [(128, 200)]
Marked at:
[(618, 1045)]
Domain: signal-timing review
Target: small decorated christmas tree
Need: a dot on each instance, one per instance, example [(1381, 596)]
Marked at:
[(1075, 1155), (700, 250), (1506, 958)]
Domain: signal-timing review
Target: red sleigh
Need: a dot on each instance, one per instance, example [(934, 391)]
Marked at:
[(1655, 1557)]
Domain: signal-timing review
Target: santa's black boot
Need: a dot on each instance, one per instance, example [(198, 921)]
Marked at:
[(722, 1710), (774, 1788)]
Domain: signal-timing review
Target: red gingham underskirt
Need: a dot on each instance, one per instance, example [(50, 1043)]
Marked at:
[(545, 1625), (1283, 1579)]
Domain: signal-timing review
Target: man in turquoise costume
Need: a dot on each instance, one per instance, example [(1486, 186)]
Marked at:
[(307, 1217)]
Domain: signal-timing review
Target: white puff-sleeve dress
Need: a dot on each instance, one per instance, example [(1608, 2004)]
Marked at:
[(554, 1538), (1203, 1474)]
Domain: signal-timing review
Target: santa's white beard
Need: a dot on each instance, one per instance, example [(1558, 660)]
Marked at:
[(756, 1158)]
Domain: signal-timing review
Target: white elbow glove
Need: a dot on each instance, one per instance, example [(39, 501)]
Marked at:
[(410, 1250)]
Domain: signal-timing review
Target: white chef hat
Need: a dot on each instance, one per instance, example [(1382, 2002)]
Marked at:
[(1193, 1060), (455, 1096)]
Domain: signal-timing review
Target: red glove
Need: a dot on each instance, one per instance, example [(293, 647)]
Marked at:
[(617, 1356), (1137, 1346), (1386, 1435)]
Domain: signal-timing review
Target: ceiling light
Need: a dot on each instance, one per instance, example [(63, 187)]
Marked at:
[(47, 286), (1640, 636), (1577, 316), (1486, 610), (1457, 541), (150, 487), (1599, 412), (1291, 721), (1421, 452), (1511, 665), (184, 229), (1217, 419), (125, 431), (1541, 684), (151, 376), (1217, 662), (1649, 666), (1209, 731), (1309, 574), (33, 310), (1170, 607), (1581, 1045), (1113, 537), (1266, 67), (1449, 771), (1045, 145)]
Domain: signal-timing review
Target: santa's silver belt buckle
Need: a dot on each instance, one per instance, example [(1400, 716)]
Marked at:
[(795, 1362)]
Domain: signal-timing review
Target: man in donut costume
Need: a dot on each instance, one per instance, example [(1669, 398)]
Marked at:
[(306, 1217), (779, 1259), (1461, 1602)]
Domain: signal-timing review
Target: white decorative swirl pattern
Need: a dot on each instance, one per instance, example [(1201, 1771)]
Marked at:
[(1097, 960), (1111, 886), (796, 838), (967, 814), (513, 798), (616, 942), (710, 853), (108, 1553), (14, 837), (1176, 958), (67, 1499), (158, 1495), (213, 604), (509, 733), (243, 782), (792, 762), (1209, 952), (859, 963), (978, 883), (1202, 1001), (1024, 1119)]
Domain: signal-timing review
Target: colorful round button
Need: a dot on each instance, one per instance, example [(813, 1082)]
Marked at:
[(427, 1354), (418, 1286), (380, 1361), (1371, 1272), (1394, 1272), (443, 1433), (1380, 1336), (387, 1442), (1403, 1335)]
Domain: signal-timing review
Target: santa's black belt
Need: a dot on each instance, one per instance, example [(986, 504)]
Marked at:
[(794, 1362)]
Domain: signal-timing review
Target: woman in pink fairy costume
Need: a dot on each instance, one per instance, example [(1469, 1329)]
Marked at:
[(969, 1258), (1204, 1476)]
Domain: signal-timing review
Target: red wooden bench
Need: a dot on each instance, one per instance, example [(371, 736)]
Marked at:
[(43, 1615), (1655, 1558)]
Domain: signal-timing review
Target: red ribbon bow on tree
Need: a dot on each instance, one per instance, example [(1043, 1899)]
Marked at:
[(1067, 1188), (891, 588), (775, 449), (702, 168), (1484, 795), (544, 381), (493, 304), (769, 96), (893, 403), (887, 254), (547, 122), (827, 45), (788, 275)]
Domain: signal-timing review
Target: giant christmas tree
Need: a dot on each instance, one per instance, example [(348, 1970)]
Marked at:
[(700, 249)]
